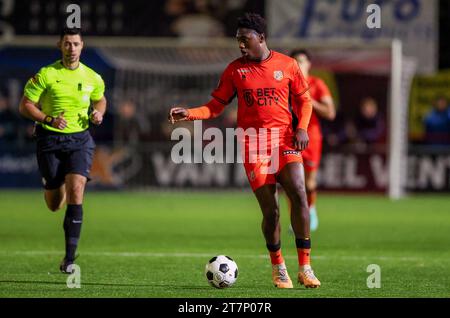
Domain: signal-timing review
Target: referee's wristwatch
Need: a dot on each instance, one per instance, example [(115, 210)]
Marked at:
[(49, 120)]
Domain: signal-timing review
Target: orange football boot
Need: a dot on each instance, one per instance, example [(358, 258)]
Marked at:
[(280, 276), (307, 278)]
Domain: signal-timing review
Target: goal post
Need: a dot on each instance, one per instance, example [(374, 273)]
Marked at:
[(397, 148)]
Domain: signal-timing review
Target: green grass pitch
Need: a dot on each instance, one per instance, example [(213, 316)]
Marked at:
[(156, 244)]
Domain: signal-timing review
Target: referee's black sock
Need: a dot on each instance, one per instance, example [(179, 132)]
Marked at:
[(72, 229)]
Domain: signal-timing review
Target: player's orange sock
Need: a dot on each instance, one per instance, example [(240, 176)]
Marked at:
[(312, 196), (275, 254), (303, 251), (276, 258), (303, 256)]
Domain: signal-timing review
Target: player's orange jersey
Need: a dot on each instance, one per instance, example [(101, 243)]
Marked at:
[(317, 89), (263, 90)]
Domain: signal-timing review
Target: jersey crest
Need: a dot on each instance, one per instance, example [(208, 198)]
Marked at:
[(278, 75)]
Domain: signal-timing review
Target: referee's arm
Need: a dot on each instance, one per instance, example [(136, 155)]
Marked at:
[(29, 109), (99, 109)]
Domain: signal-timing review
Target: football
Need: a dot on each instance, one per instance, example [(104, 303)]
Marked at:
[(221, 271)]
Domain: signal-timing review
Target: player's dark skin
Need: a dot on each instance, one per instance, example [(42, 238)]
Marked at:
[(253, 46)]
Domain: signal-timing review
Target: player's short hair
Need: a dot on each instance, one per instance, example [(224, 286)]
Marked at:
[(253, 21), (69, 31), (304, 52)]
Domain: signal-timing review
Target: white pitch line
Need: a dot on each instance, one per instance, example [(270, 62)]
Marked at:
[(208, 255)]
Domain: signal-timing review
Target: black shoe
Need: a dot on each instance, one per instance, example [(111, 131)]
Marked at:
[(66, 266)]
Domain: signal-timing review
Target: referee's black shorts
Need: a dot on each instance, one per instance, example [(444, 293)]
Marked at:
[(61, 154)]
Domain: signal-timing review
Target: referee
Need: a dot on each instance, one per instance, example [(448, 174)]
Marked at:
[(58, 98)]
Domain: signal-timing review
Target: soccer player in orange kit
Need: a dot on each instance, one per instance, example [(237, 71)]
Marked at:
[(265, 82), (323, 107)]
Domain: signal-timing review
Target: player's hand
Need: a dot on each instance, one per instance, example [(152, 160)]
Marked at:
[(177, 114), (96, 117), (59, 122), (301, 139)]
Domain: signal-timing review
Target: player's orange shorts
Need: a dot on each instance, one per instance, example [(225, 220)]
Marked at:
[(262, 169), (313, 153)]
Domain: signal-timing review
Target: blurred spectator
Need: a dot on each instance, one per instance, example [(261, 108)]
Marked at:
[(173, 10), (228, 11), (130, 126), (370, 124), (25, 132), (14, 129), (104, 133), (334, 132), (437, 123), (193, 18), (368, 130), (8, 122)]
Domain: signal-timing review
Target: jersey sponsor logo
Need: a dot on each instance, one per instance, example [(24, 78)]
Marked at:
[(248, 97), (242, 72), (278, 75), (291, 152), (264, 96)]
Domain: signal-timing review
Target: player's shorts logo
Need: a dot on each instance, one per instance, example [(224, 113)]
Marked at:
[(278, 75), (248, 97), (252, 176), (291, 152)]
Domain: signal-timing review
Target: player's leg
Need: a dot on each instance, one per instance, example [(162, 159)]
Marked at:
[(51, 168), (311, 157), (73, 219), (311, 193), (75, 185), (268, 202), (292, 179), (55, 198), (78, 165), (289, 205)]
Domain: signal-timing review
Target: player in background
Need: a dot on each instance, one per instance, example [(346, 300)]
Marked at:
[(58, 99), (323, 107), (264, 81)]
